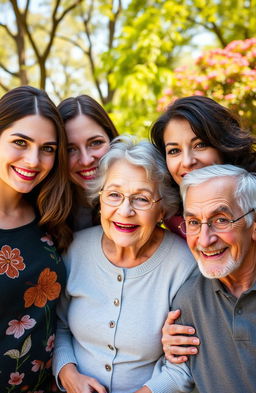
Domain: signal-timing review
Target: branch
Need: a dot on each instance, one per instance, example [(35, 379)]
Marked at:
[(8, 31), (5, 88), (8, 71)]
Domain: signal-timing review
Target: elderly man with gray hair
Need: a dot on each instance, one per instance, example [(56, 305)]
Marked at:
[(219, 221)]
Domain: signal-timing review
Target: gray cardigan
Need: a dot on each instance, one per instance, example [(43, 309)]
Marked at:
[(111, 317)]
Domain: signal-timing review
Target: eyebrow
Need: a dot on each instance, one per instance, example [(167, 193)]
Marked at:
[(136, 192), (220, 209), (176, 144), (27, 138)]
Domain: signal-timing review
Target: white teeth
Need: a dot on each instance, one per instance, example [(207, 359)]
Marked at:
[(25, 173), (88, 173), (126, 225), (209, 254)]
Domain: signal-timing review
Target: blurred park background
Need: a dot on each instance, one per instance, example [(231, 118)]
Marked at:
[(133, 56)]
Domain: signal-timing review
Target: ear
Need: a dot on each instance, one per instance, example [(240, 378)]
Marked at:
[(161, 215), (254, 231)]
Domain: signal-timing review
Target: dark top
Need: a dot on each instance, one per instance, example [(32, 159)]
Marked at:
[(226, 326), (31, 277)]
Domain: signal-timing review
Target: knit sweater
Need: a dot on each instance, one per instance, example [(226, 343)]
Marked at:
[(111, 317)]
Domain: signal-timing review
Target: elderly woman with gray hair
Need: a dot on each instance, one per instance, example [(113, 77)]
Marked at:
[(122, 278)]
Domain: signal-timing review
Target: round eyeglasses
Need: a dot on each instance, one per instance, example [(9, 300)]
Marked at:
[(192, 226), (137, 201)]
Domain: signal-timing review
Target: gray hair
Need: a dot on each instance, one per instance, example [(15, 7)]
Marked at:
[(245, 188), (142, 154)]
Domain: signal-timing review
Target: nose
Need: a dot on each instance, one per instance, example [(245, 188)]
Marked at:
[(188, 158), (32, 157), (206, 237), (86, 157), (125, 209)]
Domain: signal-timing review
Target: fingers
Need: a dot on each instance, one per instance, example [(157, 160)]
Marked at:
[(172, 316), (176, 359), (96, 385)]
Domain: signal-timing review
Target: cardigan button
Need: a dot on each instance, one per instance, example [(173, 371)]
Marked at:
[(112, 324), (111, 347), (116, 302), (119, 277), (107, 367)]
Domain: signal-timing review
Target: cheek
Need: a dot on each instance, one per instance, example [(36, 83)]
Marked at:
[(101, 152), (171, 165), (71, 161)]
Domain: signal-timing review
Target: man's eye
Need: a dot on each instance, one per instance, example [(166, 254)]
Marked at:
[(193, 223), (221, 220)]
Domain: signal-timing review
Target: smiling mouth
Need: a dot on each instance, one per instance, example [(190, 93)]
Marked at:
[(214, 253), (88, 174), (125, 227), (25, 174)]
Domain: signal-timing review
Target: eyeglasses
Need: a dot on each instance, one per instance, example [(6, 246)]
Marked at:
[(137, 201), (217, 224)]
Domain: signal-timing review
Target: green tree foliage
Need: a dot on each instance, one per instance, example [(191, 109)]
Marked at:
[(122, 52), (227, 75)]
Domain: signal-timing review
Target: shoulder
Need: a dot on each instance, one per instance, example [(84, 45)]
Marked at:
[(84, 244), (191, 291), (177, 246)]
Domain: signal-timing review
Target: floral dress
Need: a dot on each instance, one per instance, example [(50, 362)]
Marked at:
[(31, 277)]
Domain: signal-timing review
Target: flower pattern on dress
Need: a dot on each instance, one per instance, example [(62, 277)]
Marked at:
[(11, 261), (37, 365), (47, 239), (16, 378), (31, 276), (50, 343), (17, 327), (46, 289)]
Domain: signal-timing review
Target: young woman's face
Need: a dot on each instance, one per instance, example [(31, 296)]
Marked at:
[(185, 151), (87, 143), (27, 153)]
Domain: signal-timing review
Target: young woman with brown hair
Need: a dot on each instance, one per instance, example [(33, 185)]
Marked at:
[(35, 200)]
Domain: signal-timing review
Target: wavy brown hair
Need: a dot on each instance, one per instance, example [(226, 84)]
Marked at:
[(213, 124), (52, 197)]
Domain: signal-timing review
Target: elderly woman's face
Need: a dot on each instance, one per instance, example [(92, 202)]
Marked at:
[(125, 225)]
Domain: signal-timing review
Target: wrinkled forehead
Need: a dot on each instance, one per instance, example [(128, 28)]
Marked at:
[(217, 194)]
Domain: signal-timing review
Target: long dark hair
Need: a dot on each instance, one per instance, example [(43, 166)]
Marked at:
[(52, 197), (213, 124)]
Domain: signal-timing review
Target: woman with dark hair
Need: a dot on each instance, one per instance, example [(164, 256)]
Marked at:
[(192, 133), (89, 131), (34, 203)]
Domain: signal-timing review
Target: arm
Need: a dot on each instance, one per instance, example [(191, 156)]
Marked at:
[(175, 336)]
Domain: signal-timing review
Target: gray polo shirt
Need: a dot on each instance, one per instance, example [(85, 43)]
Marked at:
[(226, 325)]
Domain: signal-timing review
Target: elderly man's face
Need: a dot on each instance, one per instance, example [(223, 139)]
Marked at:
[(219, 254)]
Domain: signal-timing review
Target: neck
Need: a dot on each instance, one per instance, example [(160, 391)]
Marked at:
[(15, 211), (131, 256)]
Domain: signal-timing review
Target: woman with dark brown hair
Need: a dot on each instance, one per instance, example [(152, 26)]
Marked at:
[(35, 200), (192, 133), (89, 131)]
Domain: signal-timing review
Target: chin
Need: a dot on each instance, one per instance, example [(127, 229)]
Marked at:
[(219, 271)]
